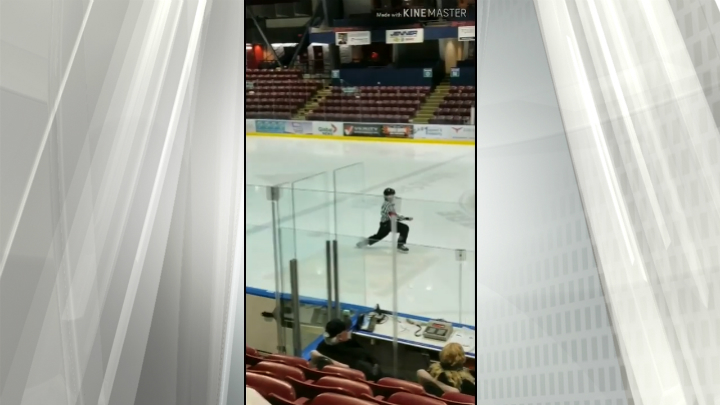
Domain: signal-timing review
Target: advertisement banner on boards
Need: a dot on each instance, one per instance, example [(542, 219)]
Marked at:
[(406, 36), (284, 127), (378, 130), (429, 132), (250, 127), (466, 33), (459, 132), (353, 129), (353, 38), (327, 128), (397, 131)]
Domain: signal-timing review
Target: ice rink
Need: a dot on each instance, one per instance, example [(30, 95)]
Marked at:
[(436, 186)]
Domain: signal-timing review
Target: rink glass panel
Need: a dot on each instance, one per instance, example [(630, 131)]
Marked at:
[(349, 220)]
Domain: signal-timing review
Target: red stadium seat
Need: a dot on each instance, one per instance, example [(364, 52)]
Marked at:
[(338, 399), (308, 389), (404, 398), (270, 387), (387, 386), (458, 399), (278, 370), (293, 361), (348, 373), (355, 388), (252, 357)]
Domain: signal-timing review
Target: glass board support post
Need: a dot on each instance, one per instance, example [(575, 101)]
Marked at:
[(461, 257), (273, 196), (295, 303), (394, 250), (329, 271), (336, 279)]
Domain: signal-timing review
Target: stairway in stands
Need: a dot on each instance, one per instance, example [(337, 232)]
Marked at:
[(313, 103), (432, 103)]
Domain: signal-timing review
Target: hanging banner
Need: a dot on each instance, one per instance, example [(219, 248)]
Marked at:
[(466, 33), (407, 36), (352, 38)]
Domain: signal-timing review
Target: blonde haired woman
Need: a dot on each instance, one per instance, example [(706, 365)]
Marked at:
[(449, 374)]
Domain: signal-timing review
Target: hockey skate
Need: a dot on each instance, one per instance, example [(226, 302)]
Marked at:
[(403, 249)]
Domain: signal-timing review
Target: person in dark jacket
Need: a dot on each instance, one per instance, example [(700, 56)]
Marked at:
[(339, 346)]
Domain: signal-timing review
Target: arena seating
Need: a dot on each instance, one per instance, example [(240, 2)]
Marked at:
[(458, 399), (277, 94), (271, 388), (456, 106), (288, 380), (391, 104)]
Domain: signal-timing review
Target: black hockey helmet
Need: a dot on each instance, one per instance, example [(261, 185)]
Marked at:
[(388, 192)]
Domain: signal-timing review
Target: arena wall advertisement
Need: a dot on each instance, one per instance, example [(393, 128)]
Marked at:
[(406, 36), (466, 33), (364, 130), (353, 38), (378, 130), (327, 128), (284, 127)]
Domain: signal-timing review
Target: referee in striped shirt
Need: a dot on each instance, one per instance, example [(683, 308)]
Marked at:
[(386, 212)]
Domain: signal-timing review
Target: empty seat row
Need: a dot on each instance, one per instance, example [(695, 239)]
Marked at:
[(265, 107), (276, 100), (453, 111), (460, 96), (330, 391), (385, 89), (268, 72), (273, 70), (362, 103), (284, 82), (366, 110), (309, 382), (462, 89), (373, 96), (379, 118), (294, 94), (448, 120), (271, 77), (295, 87), (275, 115), (457, 103)]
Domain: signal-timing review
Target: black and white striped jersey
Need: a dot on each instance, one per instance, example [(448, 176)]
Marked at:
[(387, 210)]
